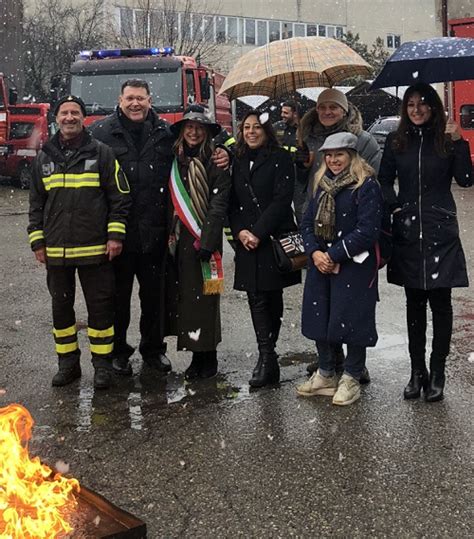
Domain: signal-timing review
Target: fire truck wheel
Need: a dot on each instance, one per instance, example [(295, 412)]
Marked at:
[(24, 176)]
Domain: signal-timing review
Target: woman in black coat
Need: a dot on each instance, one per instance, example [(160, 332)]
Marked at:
[(425, 153), (200, 196), (260, 208)]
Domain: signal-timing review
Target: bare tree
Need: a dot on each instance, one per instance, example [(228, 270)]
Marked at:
[(54, 33), (185, 25)]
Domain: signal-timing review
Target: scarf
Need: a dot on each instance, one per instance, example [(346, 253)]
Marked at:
[(192, 209), (325, 220)]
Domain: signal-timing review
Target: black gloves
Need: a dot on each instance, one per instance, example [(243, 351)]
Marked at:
[(204, 255), (301, 156)]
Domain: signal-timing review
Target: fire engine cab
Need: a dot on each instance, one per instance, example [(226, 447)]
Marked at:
[(175, 82)]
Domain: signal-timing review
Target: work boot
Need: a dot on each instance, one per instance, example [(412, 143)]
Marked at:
[(418, 380), (159, 362), (269, 372), (208, 367), (318, 385), (68, 371), (102, 377), (435, 389), (120, 363)]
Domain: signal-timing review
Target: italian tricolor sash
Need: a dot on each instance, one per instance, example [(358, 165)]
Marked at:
[(212, 271)]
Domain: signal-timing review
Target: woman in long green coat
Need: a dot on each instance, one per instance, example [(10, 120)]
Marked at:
[(199, 200)]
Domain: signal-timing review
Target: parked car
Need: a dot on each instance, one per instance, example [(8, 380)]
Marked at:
[(382, 127)]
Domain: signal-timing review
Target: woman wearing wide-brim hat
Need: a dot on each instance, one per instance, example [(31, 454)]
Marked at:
[(199, 200)]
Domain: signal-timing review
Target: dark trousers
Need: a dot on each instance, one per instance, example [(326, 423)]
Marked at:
[(354, 363), (266, 309), (439, 300), (148, 269), (98, 285)]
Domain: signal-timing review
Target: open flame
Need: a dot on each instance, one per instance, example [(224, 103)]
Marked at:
[(34, 501)]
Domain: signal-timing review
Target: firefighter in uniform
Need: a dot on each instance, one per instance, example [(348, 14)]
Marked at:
[(286, 133), (79, 201)]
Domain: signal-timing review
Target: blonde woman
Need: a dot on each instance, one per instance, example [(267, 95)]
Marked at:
[(340, 230)]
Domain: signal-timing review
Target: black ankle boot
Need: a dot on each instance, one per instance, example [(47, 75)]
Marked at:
[(269, 372), (68, 371), (192, 372), (418, 380), (435, 387), (209, 365), (258, 366)]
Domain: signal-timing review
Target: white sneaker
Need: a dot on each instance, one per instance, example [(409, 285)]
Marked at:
[(318, 385), (348, 391)]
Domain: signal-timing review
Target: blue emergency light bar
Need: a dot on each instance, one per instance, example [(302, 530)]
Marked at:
[(124, 53)]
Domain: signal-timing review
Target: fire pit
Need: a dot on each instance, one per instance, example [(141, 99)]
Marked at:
[(37, 502)]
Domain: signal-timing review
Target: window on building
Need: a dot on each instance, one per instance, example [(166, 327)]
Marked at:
[(262, 33), (141, 24), (331, 31), (322, 30), (393, 41), (232, 31), (311, 30), (158, 24), (208, 28), (286, 30), (220, 29), (274, 30), (300, 30), (467, 116), (250, 31), (339, 32), (126, 22), (196, 26)]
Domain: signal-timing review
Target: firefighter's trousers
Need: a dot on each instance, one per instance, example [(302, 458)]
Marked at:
[(98, 286)]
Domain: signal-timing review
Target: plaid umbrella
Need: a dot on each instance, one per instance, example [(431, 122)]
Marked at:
[(281, 67)]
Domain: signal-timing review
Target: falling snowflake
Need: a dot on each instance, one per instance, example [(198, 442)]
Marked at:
[(194, 335)]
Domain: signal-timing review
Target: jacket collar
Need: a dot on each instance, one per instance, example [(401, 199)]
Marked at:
[(53, 148)]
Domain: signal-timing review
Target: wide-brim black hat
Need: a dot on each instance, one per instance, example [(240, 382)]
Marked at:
[(199, 117)]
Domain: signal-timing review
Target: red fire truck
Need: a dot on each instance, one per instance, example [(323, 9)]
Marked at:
[(175, 82), (463, 91), (23, 131)]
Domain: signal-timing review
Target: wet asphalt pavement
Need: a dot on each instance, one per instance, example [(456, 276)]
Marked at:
[(212, 459)]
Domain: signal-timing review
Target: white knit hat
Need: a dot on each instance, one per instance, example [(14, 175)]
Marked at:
[(334, 96)]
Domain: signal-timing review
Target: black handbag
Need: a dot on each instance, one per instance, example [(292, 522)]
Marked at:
[(288, 247)]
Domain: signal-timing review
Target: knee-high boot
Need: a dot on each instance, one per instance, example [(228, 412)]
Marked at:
[(267, 370)]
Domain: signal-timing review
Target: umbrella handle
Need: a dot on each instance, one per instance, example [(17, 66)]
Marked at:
[(450, 101)]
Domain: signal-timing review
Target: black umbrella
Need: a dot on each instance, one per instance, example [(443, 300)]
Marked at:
[(442, 59)]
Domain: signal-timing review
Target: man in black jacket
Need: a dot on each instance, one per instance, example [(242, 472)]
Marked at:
[(142, 143), (286, 132), (79, 202)]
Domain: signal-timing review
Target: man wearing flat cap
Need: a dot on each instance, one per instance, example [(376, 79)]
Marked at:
[(79, 202)]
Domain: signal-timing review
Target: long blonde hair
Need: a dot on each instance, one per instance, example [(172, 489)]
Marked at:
[(359, 169)]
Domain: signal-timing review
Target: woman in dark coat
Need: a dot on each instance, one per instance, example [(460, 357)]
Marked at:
[(260, 208), (340, 229), (200, 194), (425, 153), (335, 114)]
